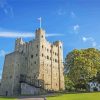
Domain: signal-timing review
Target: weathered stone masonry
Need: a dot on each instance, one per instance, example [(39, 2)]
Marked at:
[(37, 63)]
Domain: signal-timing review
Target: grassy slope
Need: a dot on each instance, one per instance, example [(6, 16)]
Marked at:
[(83, 96)]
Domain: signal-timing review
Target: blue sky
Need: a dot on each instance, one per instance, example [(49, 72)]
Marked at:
[(75, 22)]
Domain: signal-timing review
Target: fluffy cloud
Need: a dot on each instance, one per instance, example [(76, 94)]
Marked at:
[(91, 40), (76, 28), (85, 39)]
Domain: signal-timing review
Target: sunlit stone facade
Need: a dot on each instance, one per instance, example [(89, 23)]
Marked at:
[(37, 63)]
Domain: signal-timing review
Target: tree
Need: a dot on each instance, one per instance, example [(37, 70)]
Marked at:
[(82, 65), (69, 85)]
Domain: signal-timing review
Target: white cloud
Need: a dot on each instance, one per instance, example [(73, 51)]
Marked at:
[(76, 28), (15, 34), (54, 35), (91, 40), (61, 12), (24, 34), (2, 53), (73, 15), (94, 44), (85, 39), (7, 9)]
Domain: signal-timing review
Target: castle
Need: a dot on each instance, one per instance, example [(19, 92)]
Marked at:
[(33, 67)]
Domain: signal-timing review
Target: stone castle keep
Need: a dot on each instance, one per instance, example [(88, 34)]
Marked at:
[(33, 67)]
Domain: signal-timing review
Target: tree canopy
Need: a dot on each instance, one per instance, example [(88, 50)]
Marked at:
[(83, 65)]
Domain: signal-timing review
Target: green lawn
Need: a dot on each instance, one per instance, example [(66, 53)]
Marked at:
[(81, 96), (7, 98)]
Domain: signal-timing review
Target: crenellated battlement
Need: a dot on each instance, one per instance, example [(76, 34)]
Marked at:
[(37, 60), (40, 34), (18, 43)]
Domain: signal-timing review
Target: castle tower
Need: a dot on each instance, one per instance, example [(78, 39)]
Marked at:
[(37, 65), (40, 34), (18, 43), (60, 64)]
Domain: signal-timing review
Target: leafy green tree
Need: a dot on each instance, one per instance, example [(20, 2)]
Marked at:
[(82, 65), (69, 85)]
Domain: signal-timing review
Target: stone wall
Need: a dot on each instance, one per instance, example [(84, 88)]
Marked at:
[(30, 90), (11, 73), (37, 60)]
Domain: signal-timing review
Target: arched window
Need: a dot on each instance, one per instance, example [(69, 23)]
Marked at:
[(55, 60), (37, 46), (35, 62), (47, 57), (31, 56), (47, 50)]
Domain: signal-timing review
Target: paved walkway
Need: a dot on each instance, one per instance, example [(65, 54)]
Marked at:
[(30, 99)]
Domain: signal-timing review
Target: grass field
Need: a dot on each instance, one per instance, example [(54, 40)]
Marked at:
[(81, 96), (7, 99)]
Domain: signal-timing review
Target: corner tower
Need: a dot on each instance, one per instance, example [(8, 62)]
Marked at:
[(59, 44), (40, 34)]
